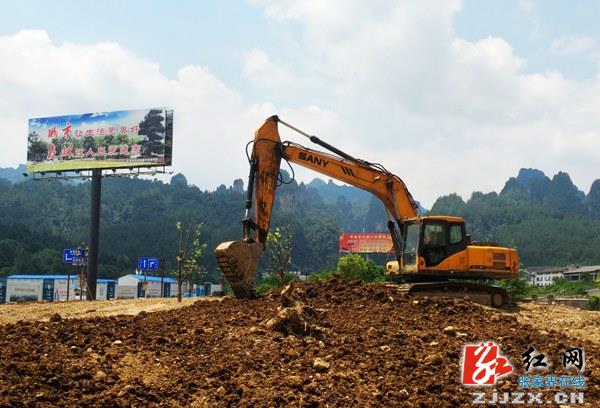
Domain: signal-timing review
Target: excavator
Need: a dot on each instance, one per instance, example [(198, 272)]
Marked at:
[(435, 255)]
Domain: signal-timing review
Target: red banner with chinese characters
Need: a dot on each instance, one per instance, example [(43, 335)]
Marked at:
[(369, 242)]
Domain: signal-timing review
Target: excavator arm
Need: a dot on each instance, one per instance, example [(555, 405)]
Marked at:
[(239, 259), (269, 150)]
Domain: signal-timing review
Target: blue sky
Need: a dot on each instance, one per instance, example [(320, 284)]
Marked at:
[(215, 33), (431, 89), (532, 32), (174, 34)]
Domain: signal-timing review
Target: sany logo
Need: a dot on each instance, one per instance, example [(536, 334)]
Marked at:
[(483, 364)]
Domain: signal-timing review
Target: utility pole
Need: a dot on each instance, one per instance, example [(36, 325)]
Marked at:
[(92, 272), (161, 270), (68, 280), (179, 275)]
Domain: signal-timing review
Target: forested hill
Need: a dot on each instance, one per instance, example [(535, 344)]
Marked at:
[(138, 218), (13, 175), (549, 220)]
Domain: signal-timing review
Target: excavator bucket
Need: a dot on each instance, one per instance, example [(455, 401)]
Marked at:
[(238, 261)]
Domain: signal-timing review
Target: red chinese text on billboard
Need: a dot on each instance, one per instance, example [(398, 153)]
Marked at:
[(67, 151), (68, 131), (378, 242)]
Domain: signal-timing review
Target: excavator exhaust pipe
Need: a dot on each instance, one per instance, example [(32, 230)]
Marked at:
[(238, 261)]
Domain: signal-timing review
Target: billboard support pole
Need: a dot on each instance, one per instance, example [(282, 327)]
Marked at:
[(161, 268), (68, 280), (94, 233)]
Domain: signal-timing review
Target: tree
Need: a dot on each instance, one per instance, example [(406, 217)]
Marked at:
[(37, 149), (152, 127), (179, 180), (354, 266), (519, 288), (8, 251), (88, 143), (279, 249), (190, 251)]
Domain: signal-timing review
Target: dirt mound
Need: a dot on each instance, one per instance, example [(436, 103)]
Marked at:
[(296, 318), (378, 347)]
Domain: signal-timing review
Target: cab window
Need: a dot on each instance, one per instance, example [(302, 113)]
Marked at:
[(456, 234), (434, 235)]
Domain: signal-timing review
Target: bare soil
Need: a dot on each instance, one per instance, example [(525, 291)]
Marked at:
[(42, 311), (580, 324), (359, 346)]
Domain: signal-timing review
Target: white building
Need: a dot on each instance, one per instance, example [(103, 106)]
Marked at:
[(545, 275), (23, 288), (134, 286)]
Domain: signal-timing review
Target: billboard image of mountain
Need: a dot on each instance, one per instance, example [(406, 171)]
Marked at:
[(131, 138)]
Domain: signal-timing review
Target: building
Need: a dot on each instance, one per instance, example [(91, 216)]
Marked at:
[(34, 288), (210, 289), (544, 275), (134, 286), (24, 288), (3, 289), (576, 272)]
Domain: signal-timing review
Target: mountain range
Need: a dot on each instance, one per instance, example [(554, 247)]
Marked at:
[(549, 220)]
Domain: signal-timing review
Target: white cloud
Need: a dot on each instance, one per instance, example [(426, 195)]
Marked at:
[(444, 113), (573, 44), (262, 71), (526, 6), (212, 125), (387, 81)]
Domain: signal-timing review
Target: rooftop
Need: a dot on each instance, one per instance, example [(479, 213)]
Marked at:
[(148, 278), (72, 277), (546, 269), (582, 269)]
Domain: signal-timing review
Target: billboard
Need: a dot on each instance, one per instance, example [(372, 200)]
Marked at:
[(24, 290), (360, 243), (100, 140)]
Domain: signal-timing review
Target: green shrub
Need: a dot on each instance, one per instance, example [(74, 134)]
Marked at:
[(565, 287), (594, 302), (271, 281), (354, 266), (321, 275), (518, 289)]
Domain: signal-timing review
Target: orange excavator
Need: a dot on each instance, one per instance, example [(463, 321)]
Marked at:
[(434, 254)]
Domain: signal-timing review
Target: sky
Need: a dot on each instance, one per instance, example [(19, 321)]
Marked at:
[(452, 96)]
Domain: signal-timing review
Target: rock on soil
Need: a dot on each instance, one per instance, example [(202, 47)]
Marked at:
[(382, 347)]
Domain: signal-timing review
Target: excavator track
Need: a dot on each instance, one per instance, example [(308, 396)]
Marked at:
[(479, 293), (238, 261)]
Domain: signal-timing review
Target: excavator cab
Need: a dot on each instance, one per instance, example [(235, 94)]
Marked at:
[(430, 240), (437, 248)]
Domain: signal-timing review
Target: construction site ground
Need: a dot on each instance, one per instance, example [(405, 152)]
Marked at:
[(360, 345), (42, 311)]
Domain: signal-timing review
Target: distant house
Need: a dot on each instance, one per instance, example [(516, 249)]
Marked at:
[(576, 272), (544, 275)]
